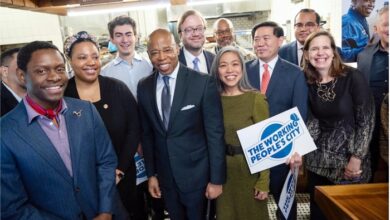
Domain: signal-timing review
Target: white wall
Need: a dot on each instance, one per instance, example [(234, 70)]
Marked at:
[(20, 26)]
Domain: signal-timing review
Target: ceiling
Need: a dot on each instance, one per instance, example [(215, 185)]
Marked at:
[(60, 7)]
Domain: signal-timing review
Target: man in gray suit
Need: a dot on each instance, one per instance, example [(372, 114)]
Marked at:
[(183, 130), (284, 86), (306, 22)]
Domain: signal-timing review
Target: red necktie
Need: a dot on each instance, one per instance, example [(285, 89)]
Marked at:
[(265, 79), (50, 113)]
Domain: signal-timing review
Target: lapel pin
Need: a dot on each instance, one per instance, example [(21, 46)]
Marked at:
[(78, 114), (105, 106)]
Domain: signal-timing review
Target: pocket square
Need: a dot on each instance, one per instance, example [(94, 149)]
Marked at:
[(187, 107)]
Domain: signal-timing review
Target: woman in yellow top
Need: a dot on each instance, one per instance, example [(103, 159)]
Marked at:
[(244, 195)]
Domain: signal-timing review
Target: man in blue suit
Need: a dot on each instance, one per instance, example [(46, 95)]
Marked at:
[(182, 122), (306, 22), (191, 27), (57, 160), (284, 86)]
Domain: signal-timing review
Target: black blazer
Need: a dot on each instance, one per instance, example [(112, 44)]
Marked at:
[(191, 152), (208, 55), (8, 101)]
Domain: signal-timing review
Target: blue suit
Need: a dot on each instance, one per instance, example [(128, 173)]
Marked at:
[(287, 88), (208, 55), (289, 52), (191, 152), (35, 183)]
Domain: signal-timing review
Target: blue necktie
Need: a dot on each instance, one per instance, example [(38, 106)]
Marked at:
[(195, 62), (166, 101)]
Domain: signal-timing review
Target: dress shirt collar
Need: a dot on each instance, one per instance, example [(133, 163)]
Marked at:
[(12, 92), (271, 64), (119, 59)]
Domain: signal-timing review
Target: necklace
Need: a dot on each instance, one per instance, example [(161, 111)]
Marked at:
[(325, 92)]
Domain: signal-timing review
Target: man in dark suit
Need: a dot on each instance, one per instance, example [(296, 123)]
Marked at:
[(306, 22), (57, 160), (282, 82), (191, 27), (12, 88), (182, 123)]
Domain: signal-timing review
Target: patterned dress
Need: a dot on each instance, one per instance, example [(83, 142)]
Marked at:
[(237, 200), (341, 127)]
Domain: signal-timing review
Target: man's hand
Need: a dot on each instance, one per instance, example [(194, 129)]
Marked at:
[(118, 176), (213, 191), (294, 161), (259, 195), (103, 216), (154, 188)]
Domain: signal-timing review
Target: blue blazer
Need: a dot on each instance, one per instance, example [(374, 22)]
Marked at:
[(35, 183), (208, 55), (193, 146), (287, 87), (289, 52)]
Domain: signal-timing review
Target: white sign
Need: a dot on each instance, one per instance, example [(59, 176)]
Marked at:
[(140, 166), (288, 192), (270, 142)]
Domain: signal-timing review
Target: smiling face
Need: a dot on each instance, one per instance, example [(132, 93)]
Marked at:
[(46, 77), (305, 24), (382, 28), (320, 54), (364, 7), (124, 39), (163, 51), (223, 34), (265, 44), (192, 33), (85, 61), (230, 70)]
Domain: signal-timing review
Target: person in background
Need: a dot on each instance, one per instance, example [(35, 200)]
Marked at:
[(13, 88), (115, 104), (373, 62), (245, 194), (57, 160), (191, 27), (306, 22), (224, 35), (341, 120), (128, 67), (384, 141), (284, 86), (355, 29), (182, 136)]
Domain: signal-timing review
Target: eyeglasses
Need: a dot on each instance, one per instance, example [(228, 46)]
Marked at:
[(224, 32), (306, 25), (198, 30)]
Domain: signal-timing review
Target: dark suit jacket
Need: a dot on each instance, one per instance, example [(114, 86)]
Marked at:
[(289, 52), (208, 55), (193, 146), (287, 87), (8, 101), (364, 59), (35, 183)]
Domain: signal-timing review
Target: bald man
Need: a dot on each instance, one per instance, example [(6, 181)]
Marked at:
[(183, 131), (224, 36)]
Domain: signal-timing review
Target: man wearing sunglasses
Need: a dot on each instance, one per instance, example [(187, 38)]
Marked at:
[(306, 22)]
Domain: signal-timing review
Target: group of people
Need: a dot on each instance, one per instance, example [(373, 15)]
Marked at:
[(64, 158)]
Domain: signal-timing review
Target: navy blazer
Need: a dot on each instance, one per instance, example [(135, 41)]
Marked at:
[(289, 52), (8, 101), (191, 152), (35, 183), (287, 87), (208, 55)]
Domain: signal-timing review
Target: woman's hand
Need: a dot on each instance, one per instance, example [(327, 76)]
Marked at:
[(352, 170), (259, 195), (294, 161)]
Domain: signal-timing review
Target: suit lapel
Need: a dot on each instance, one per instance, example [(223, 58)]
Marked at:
[(295, 51), (153, 99), (34, 136), (180, 91), (276, 74), (254, 73), (182, 58)]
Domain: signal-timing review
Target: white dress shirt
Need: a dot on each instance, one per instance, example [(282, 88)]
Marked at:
[(160, 86), (202, 64), (271, 67)]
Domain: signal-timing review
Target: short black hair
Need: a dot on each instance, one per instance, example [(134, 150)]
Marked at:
[(278, 31), (24, 55), (121, 20), (309, 10), (6, 57)]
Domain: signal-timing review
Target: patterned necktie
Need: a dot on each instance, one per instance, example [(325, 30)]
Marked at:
[(195, 62), (166, 101), (265, 79)]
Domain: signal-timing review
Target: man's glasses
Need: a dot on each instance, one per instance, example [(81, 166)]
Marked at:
[(224, 32), (306, 25), (190, 30)]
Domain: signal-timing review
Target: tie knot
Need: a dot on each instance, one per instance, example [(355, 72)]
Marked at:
[(265, 65), (166, 80), (195, 61)]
